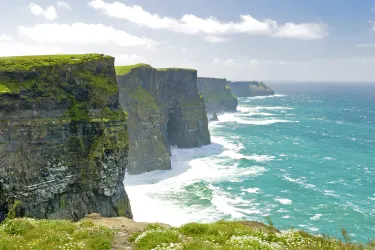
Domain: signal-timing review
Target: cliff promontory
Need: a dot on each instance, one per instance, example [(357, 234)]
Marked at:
[(216, 94), (250, 89), (164, 109), (63, 137)]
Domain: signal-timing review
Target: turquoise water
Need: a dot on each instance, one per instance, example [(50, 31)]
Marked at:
[(305, 157)]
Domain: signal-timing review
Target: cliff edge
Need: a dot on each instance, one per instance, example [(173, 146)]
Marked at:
[(164, 109), (250, 89), (63, 137), (216, 94)]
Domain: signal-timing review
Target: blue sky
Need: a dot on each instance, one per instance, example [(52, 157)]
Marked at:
[(282, 40)]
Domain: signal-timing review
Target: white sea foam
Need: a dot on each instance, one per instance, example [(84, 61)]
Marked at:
[(255, 114), (164, 190), (300, 182), (254, 157), (330, 193), (329, 158), (230, 117), (284, 201), (244, 108), (248, 99), (252, 190), (316, 217)]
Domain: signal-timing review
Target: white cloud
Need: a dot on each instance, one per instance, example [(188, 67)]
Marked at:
[(49, 13), (309, 31), (192, 24), (245, 63), (18, 49), (82, 33), (373, 25), (36, 9), (215, 39), (365, 45), (63, 4), (184, 50), (5, 38), (124, 59)]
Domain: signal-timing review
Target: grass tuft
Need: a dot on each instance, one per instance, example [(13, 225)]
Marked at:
[(123, 70), (224, 235), (25, 233), (26, 63)]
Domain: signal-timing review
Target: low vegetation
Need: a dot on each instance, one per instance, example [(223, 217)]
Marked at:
[(123, 70), (224, 235), (25, 63), (25, 233)]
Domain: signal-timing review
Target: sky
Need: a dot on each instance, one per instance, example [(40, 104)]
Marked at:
[(267, 40)]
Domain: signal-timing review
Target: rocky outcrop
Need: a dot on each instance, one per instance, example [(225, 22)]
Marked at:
[(214, 118), (216, 94), (63, 137), (164, 109), (250, 89)]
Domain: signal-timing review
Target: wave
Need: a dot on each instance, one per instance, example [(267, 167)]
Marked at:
[(256, 114), (248, 99), (254, 157), (194, 173), (300, 182), (243, 108), (234, 118), (252, 190), (284, 201)]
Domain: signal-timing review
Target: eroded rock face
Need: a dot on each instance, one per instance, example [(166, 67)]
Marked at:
[(63, 140), (164, 109), (250, 89), (216, 94)]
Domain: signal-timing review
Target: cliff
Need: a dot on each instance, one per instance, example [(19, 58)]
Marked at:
[(216, 94), (250, 89), (164, 109), (63, 137)]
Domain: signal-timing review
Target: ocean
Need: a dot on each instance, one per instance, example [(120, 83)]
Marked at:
[(305, 158)]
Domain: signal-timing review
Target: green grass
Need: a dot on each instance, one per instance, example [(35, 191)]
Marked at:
[(123, 70), (33, 234), (25, 63), (225, 235), (4, 89), (174, 69)]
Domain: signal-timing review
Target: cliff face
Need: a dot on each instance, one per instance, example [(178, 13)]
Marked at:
[(63, 137), (250, 89), (216, 94), (164, 109)]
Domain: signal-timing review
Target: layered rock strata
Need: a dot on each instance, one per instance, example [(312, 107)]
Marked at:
[(216, 94), (250, 89), (164, 109), (63, 137)]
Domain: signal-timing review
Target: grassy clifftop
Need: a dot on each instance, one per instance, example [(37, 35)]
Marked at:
[(95, 232), (25, 63), (123, 70)]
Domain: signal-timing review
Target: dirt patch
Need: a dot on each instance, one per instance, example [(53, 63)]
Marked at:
[(125, 227)]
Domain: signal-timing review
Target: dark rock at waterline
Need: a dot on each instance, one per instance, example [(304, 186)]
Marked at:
[(214, 118)]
